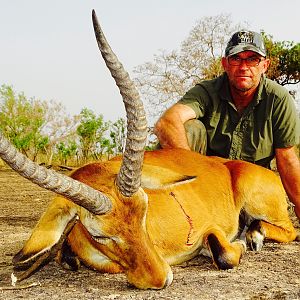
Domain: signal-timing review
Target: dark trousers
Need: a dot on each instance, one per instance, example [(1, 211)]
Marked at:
[(196, 135)]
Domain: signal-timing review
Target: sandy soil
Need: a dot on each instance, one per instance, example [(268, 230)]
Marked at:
[(273, 273)]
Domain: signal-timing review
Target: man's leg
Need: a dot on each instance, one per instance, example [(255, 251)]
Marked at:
[(196, 136)]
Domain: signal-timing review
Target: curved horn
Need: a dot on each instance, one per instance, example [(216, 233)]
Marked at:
[(78, 192), (129, 177)]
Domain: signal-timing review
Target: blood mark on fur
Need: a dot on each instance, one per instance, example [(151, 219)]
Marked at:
[(190, 221)]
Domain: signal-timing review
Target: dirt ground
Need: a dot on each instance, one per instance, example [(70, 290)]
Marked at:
[(273, 273)]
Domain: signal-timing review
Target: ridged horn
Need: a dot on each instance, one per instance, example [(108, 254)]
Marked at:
[(76, 191), (129, 176)]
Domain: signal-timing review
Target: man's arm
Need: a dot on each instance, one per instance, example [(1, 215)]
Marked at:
[(288, 165), (170, 129)]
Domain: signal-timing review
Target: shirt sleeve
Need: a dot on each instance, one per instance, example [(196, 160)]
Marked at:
[(194, 98), (286, 125)]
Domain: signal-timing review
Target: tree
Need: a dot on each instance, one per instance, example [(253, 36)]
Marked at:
[(91, 130), (21, 120), (118, 136), (165, 80), (66, 151), (59, 127), (34, 126), (105, 146), (285, 61)]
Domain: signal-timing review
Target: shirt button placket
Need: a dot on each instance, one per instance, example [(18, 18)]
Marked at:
[(236, 143)]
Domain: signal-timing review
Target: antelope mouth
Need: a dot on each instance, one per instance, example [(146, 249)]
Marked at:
[(101, 239)]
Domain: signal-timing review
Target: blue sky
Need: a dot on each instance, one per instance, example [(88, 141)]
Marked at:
[(48, 49)]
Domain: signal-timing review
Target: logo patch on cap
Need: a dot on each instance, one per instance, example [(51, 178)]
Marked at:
[(245, 37)]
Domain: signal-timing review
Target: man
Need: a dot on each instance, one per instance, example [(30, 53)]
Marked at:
[(239, 115)]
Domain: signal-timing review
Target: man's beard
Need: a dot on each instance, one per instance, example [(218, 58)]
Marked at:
[(242, 89), (245, 89)]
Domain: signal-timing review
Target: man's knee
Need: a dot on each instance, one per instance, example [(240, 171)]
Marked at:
[(196, 135)]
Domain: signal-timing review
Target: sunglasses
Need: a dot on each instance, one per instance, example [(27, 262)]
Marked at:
[(252, 61)]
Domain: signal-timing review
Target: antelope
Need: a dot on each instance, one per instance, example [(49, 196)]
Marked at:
[(142, 212)]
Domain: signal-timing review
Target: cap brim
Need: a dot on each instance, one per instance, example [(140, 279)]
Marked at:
[(240, 48)]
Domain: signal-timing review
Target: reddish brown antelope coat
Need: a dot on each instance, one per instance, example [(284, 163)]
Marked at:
[(139, 213)]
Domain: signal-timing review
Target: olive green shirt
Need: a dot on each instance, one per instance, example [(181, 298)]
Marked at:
[(270, 121)]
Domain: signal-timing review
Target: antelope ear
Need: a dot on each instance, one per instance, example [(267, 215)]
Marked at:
[(154, 178)]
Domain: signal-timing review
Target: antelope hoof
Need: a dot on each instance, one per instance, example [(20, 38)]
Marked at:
[(255, 236), (67, 258)]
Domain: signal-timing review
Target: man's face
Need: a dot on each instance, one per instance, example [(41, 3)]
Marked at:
[(245, 69)]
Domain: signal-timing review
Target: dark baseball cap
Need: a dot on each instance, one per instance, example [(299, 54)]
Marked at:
[(245, 40)]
